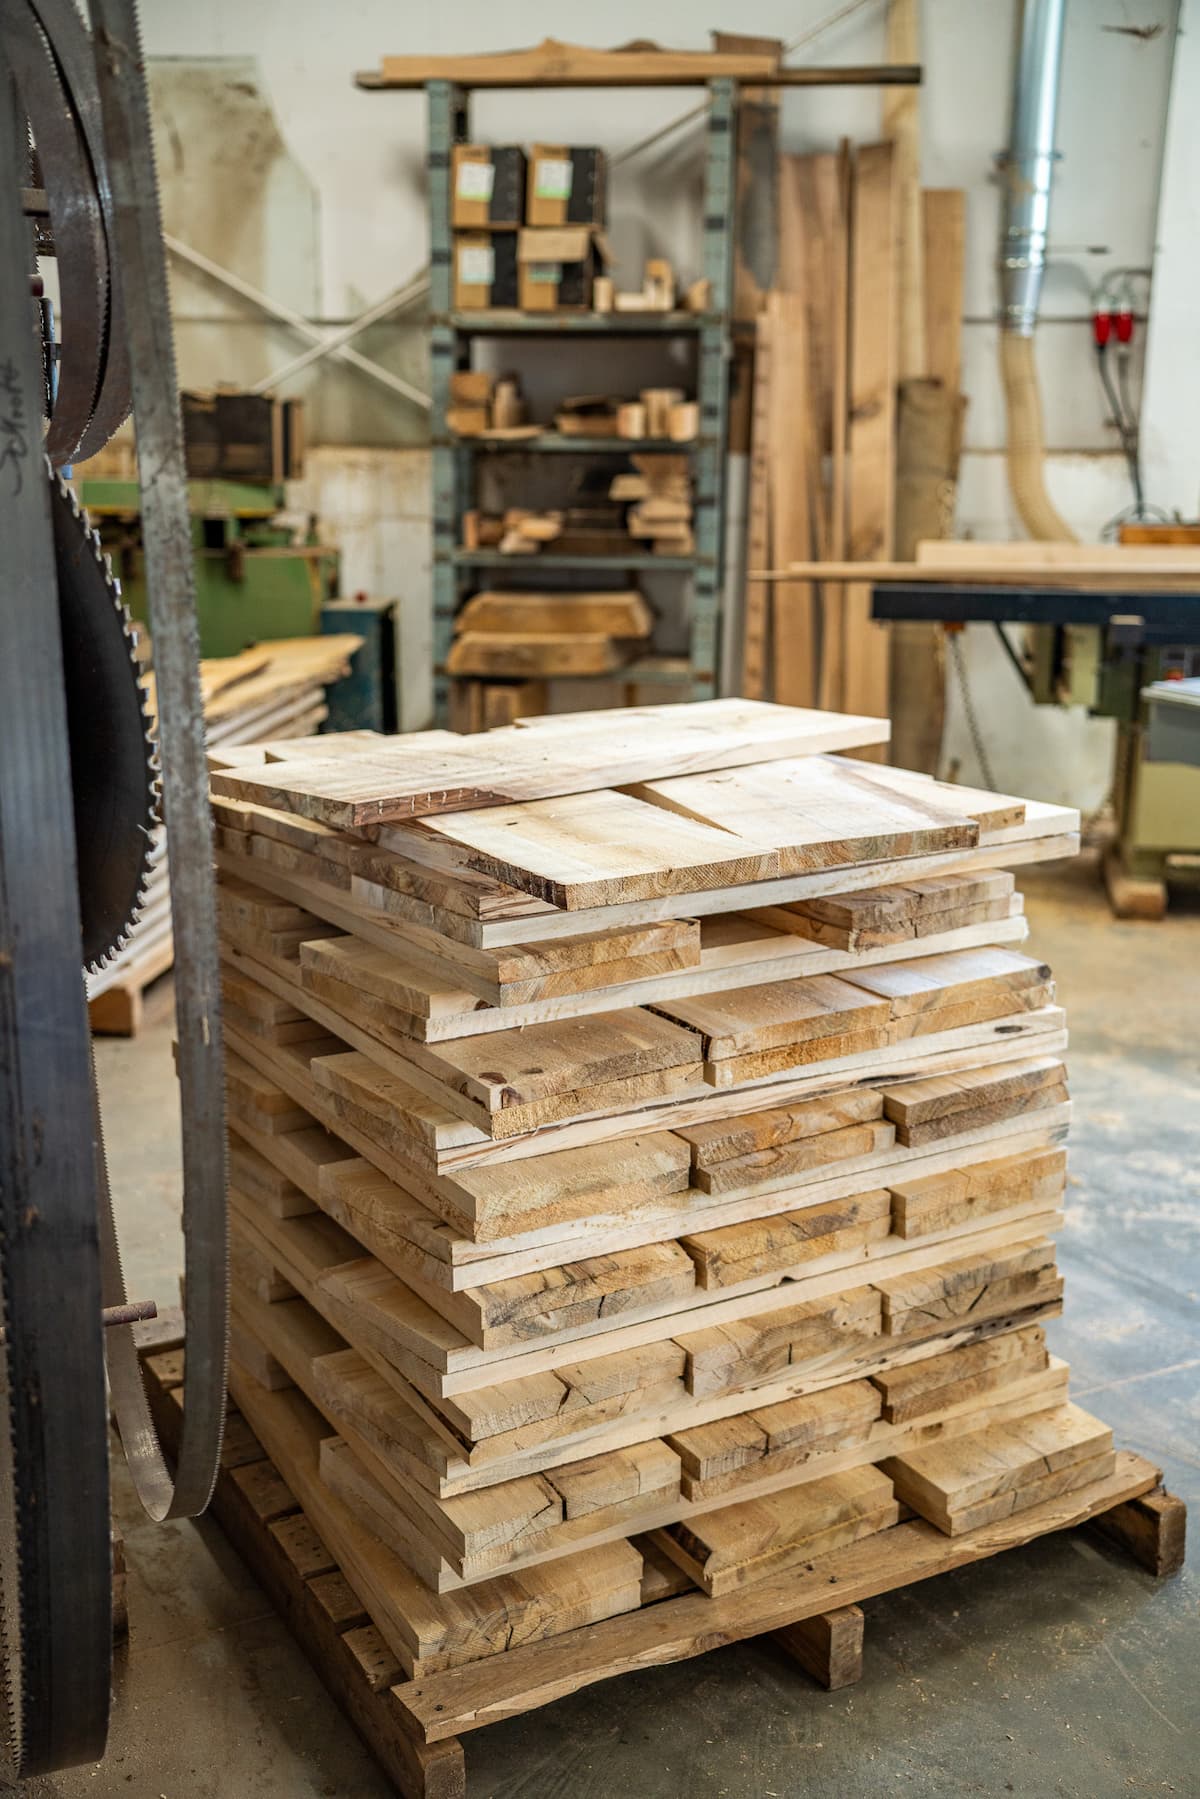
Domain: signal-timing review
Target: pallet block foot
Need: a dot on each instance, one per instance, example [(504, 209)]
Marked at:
[(1132, 896), (1153, 1529), (829, 1646)]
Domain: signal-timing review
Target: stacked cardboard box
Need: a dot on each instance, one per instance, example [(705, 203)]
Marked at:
[(647, 1146), (528, 232)]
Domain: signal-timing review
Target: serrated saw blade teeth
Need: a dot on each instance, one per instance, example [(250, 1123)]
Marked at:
[(113, 768)]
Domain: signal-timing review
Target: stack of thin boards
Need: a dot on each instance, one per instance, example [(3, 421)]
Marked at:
[(646, 1148)]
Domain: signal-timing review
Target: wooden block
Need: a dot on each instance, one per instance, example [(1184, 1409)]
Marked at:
[(895, 914), (1153, 1529), (505, 1198), (828, 1646), (528, 1306), (979, 1286), (770, 1168), (618, 1477), (917, 1102), (742, 1252), (941, 1201), (833, 1416), (539, 655), (743, 1021), (741, 1543), (1033, 1099), (945, 1480), (722, 1140), (933, 1382), (619, 614), (954, 979), (721, 1357)]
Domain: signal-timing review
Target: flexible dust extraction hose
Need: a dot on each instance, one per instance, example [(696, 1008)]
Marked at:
[(1025, 449), (1028, 167)]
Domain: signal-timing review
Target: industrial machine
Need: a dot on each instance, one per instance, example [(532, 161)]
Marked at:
[(254, 582), (1129, 655), (80, 786)]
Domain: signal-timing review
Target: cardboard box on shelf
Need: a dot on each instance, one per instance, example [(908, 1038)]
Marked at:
[(485, 269), (487, 185), (557, 268), (567, 185)]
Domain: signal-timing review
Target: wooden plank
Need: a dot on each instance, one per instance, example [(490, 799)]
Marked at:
[(818, 812), (727, 1139), (937, 1202), (793, 1012), (873, 367), (944, 222), (833, 599), (973, 1480), (601, 849), (829, 1647), (558, 64), (622, 614), (793, 471), (756, 601), (680, 1628), (743, 1252), (919, 1388), (404, 779), (945, 1096), (742, 1543), (545, 654)]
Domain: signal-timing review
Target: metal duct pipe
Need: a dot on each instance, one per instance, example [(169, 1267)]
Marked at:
[(1028, 163), (1028, 170)]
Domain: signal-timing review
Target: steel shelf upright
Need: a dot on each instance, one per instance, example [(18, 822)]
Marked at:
[(451, 334)]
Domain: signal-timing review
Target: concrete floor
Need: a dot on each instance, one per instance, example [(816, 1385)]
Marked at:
[(1059, 1670)]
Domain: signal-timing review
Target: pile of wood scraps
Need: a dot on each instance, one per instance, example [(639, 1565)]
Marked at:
[(659, 496), (647, 1144), (275, 691)]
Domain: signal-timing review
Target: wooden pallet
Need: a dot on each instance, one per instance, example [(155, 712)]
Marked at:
[(413, 1727)]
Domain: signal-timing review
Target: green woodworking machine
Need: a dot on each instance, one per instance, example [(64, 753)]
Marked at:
[(253, 581)]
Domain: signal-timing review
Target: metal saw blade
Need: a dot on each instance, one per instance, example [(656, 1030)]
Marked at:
[(114, 768)]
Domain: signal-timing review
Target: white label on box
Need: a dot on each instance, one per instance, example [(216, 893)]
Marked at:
[(476, 180), (476, 265), (549, 272), (552, 178)]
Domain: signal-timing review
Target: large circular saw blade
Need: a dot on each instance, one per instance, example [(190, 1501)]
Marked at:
[(114, 774)]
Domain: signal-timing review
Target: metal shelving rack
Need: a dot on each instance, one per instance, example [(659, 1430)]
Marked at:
[(454, 458)]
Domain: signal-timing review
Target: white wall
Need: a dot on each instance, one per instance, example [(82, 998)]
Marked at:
[(348, 217)]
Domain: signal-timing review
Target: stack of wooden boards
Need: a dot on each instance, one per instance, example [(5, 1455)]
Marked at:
[(646, 1146), (276, 691)]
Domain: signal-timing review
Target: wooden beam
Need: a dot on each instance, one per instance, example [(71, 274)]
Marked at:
[(828, 1646), (1153, 1529)]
